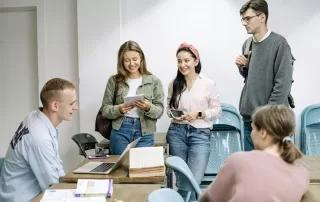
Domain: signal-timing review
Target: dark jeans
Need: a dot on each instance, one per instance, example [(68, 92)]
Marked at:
[(248, 144), (193, 146), (129, 131)]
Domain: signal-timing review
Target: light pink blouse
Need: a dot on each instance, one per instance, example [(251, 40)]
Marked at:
[(203, 96)]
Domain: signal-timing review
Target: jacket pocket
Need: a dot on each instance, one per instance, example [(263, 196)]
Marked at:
[(119, 98), (149, 97)]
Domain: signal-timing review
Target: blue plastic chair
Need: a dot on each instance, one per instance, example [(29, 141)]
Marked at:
[(302, 129), (178, 164), (310, 130), (226, 138), (1, 163), (164, 195)]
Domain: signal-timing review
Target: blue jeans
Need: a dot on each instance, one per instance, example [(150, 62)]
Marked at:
[(129, 131), (193, 146), (248, 144)]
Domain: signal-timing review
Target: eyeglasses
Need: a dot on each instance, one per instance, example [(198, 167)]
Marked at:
[(248, 18)]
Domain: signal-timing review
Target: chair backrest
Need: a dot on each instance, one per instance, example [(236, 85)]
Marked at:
[(164, 195), (226, 138), (227, 135), (178, 164), (230, 117), (85, 142), (1, 163), (310, 130), (222, 145)]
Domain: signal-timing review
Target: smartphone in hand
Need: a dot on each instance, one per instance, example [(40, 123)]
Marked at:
[(175, 113)]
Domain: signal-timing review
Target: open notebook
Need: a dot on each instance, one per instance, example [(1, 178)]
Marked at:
[(146, 162)]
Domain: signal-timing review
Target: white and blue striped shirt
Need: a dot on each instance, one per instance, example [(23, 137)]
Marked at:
[(32, 162)]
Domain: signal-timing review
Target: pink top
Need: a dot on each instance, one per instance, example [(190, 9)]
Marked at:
[(258, 176), (203, 96)]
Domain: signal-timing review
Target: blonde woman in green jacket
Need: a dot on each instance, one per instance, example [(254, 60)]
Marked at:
[(136, 119)]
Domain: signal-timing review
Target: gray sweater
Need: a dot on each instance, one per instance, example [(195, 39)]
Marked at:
[(269, 77)]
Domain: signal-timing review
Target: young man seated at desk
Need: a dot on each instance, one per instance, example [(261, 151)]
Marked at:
[(32, 162)]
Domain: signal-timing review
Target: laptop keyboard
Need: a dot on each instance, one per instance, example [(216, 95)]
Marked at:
[(103, 167)]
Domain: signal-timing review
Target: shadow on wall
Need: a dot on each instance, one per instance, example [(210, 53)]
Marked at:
[(286, 16)]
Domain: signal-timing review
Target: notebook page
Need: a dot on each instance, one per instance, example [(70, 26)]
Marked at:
[(146, 157)]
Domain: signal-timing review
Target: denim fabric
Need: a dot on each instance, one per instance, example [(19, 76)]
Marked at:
[(248, 144), (193, 146), (129, 131)]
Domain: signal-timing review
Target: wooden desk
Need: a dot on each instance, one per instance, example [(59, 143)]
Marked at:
[(120, 175), (313, 195), (312, 163), (124, 192)]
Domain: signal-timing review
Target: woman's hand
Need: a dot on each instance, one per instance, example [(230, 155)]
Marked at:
[(124, 108), (190, 116), (142, 104)]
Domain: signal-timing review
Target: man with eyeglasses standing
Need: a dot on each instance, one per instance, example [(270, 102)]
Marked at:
[(266, 65)]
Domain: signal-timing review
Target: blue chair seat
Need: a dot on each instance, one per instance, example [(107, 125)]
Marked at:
[(178, 164), (165, 195)]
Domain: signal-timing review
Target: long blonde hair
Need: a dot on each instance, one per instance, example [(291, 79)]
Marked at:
[(122, 74), (278, 121)]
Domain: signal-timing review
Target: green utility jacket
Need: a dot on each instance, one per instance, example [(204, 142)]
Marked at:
[(152, 89)]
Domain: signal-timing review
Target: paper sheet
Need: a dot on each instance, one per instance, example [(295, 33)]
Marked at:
[(52, 194), (130, 99), (146, 157), (67, 195)]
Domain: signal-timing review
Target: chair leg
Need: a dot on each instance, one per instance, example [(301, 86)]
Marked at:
[(188, 196), (169, 174)]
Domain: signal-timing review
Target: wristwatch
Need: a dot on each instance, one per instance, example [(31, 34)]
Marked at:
[(199, 115)]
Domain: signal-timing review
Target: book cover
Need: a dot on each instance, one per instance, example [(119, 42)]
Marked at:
[(88, 187)]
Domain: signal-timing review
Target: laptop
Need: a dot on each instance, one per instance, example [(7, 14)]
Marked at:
[(105, 167)]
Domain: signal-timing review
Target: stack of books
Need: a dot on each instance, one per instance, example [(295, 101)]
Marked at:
[(146, 162)]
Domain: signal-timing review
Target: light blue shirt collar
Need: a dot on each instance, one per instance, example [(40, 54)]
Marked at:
[(53, 131)]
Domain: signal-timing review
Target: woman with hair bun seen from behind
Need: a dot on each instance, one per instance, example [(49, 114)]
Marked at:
[(268, 173)]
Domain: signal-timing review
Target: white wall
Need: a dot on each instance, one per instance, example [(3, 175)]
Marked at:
[(57, 57), (62, 61), (214, 27), (98, 41), (18, 38)]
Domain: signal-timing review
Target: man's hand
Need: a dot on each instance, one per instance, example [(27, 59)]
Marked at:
[(124, 108), (241, 60)]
